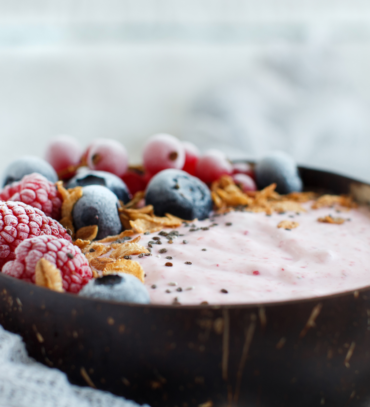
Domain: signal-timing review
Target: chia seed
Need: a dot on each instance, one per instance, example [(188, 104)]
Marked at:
[(205, 228), (168, 264), (163, 251), (204, 250), (228, 224), (70, 255), (172, 284), (163, 233), (147, 254), (156, 238), (146, 233), (169, 258), (193, 229), (179, 289), (92, 250), (141, 255), (188, 262), (168, 291), (224, 291), (185, 241), (154, 286), (127, 257)]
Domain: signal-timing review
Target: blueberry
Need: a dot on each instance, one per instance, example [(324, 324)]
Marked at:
[(17, 169), (117, 287), (180, 194), (278, 167), (98, 206), (106, 179)]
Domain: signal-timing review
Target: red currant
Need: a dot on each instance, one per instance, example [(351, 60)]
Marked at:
[(107, 155), (163, 151), (63, 154), (136, 181), (191, 157), (243, 168), (212, 165), (245, 182)]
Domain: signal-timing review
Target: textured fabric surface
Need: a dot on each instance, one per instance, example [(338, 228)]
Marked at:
[(26, 383)]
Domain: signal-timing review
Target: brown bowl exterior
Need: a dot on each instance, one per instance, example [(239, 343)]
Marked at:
[(296, 353)]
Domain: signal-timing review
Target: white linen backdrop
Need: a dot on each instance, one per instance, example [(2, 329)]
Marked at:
[(251, 76)]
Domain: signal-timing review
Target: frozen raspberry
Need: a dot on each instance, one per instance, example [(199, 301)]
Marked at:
[(62, 253), (35, 190), (163, 151), (212, 165), (191, 158), (107, 155), (19, 222), (64, 154)]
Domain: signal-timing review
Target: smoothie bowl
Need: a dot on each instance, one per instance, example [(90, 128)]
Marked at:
[(295, 334)]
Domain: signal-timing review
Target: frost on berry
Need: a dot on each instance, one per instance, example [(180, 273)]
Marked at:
[(163, 151), (19, 222), (64, 154), (107, 155), (35, 190), (61, 253), (212, 165)]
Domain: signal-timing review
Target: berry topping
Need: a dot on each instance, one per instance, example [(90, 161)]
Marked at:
[(163, 151), (212, 165), (103, 178), (73, 265), (191, 157), (16, 170), (35, 190), (278, 167), (122, 288), (243, 168), (107, 155), (178, 193), (98, 206), (245, 182), (19, 222), (136, 180), (64, 154)]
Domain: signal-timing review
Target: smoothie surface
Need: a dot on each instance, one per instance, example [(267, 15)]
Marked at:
[(243, 257)]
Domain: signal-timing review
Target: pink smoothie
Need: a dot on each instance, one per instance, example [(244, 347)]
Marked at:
[(245, 258)]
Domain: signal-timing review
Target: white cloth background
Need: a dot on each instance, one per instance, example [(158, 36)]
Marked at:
[(26, 383), (126, 69)]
